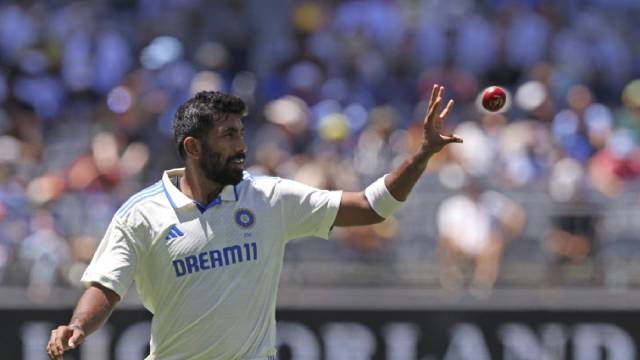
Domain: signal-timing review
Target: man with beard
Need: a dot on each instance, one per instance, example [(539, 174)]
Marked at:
[(205, 244)]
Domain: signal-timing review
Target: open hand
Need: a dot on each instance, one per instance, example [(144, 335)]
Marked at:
[(62, 339), (434, 140)]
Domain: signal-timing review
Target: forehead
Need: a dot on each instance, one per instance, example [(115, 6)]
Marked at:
[(230, 121)]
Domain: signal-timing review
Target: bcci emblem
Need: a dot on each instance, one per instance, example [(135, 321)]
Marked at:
[(245, 218)]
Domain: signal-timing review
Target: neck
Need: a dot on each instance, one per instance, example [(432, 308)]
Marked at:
[(197, 187)]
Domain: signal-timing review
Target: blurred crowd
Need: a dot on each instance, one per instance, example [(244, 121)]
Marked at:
[(336, 92)]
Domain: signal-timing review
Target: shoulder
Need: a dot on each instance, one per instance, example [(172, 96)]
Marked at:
[(258, 179), (277, 186), (259, 183), (146, 201)]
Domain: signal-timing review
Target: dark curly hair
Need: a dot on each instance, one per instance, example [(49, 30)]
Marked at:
[(196, 116)]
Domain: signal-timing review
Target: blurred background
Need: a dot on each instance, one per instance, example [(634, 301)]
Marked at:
[(542, 198)]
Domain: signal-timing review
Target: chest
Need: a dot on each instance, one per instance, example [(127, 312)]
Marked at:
[(222, 235), (219, 226)]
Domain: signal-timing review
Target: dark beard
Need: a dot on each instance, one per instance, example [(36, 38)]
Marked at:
[(218, 170)]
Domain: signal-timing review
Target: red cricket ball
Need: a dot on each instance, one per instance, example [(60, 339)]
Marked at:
[(494, 98)]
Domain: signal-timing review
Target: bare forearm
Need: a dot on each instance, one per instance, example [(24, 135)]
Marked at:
[(378, 202), (93, 308), (401, 181)]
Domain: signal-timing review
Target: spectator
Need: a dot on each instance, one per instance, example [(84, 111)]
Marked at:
[(474, 228), (88, 89)]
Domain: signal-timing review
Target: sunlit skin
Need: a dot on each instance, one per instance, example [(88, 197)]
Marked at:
[(209, 165)]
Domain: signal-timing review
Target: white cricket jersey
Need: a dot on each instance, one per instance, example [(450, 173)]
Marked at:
[(209, 274)]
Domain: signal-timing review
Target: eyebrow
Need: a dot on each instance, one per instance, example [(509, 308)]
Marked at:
[(232, 128)]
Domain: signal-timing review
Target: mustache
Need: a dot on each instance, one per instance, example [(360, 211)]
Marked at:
[(240, 156)]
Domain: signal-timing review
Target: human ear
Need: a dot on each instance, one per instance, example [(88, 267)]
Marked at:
[(192, 146)]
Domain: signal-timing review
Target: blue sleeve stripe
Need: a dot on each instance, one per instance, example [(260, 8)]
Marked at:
[(124, 211), (139, 196), (140, 193)]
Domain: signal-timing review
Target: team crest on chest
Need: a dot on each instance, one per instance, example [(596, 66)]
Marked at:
[(244, 218)]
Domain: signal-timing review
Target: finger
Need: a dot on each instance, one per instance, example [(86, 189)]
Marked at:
[(432, 110), (441, 97), (440, 119), (57, 340), (434, 95), (62, 334), (447, 109), (56, 347), (53, 347), (441, 94), (51, 351), (434, 106)]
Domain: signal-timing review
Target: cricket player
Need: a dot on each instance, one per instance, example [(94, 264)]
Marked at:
[(205, 244)]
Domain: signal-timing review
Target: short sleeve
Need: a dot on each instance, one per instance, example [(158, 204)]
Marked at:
[(114, 263), (307, 211)]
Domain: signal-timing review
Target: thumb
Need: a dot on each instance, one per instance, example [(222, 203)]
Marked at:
[(76, 338), (455, 139)]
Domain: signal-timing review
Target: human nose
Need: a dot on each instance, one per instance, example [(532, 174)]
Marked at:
[(240, 146)]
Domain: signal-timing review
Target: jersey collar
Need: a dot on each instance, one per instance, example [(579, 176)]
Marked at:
[(179, 199)]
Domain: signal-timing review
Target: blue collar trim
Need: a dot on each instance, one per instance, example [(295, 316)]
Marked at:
[(203, 208)]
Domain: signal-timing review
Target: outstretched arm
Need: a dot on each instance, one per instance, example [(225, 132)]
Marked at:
[(93, 309), (355, 208)]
